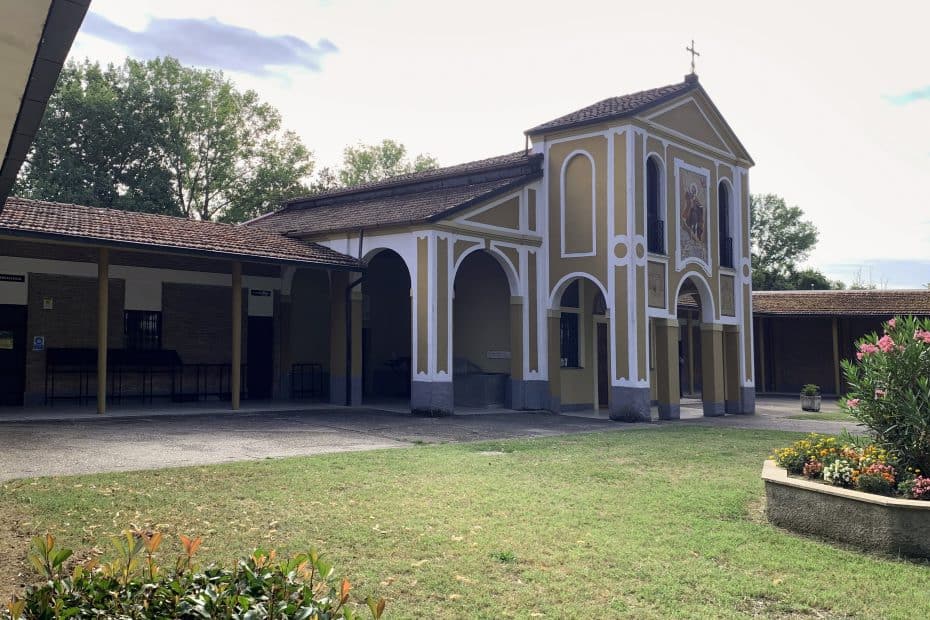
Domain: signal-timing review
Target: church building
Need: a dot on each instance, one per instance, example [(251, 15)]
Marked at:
[(604, 266)]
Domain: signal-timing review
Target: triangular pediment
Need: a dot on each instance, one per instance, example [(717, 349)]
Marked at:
[(504, 215), (695, 117)]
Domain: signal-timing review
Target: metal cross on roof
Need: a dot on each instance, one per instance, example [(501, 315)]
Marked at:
[(693, 54)]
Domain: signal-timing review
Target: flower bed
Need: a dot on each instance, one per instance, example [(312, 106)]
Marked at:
[(870, 491), (871, 522)]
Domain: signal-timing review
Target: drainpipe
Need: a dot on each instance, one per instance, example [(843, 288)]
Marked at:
[(352, 285)]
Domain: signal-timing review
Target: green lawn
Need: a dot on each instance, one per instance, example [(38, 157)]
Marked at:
[(653, 523), (827, 416)]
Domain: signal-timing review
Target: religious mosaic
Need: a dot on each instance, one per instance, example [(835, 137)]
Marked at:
[(693, 200)]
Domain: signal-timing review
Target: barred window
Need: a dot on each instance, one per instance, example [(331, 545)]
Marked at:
[(568, 336), (142, 329)]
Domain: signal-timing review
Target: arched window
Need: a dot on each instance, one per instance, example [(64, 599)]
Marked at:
[(655, 225), (723, 212)]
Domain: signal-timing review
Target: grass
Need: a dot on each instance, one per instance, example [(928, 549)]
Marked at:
[(827, 416), (655, 523)]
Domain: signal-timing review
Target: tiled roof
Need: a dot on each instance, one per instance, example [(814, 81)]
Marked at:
[(35, 218), (617, 107), (518, 158), (842, 303), (407, 199)]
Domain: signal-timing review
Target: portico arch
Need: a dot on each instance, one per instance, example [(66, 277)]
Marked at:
[(486, 350)]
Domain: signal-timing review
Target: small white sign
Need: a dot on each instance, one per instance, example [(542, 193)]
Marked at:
[(498, 355), (48, 303)]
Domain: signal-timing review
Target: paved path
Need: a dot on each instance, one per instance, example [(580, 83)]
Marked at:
[(44, 447)]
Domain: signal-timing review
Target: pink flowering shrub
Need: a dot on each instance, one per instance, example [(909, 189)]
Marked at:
[(889, 389)]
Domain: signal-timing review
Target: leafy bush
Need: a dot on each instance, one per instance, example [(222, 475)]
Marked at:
[(132, 585), (810, 389), (889, 389)]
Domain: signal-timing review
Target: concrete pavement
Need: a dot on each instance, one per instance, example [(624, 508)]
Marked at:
[(52, 443)]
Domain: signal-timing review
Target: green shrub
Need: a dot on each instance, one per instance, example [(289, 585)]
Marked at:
[(889, 389), (132, 585), (810, 389)]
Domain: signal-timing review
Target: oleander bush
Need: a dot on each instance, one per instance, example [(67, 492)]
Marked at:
[(134, 585), (889, 389)]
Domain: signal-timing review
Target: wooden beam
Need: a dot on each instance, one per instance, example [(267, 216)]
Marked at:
[(836, 355), (103, 307), (235, 373), (762, 352)]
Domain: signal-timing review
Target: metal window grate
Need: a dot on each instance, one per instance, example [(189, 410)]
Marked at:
[(142, 330), (568, 337)]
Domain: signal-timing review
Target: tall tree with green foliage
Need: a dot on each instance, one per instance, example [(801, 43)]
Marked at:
[(160, 137), (366, 163), (781, 240)]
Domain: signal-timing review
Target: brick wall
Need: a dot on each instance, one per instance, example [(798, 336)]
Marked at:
[(196, 322), (72, 322)]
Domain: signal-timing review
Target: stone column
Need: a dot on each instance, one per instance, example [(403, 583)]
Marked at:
[(235, 371), (731, 353), (103, 307), (712, 387), (668, 391), (555, 361)]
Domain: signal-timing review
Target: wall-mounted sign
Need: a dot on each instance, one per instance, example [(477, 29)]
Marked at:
[(6, 340), (48, 303), (12, 277), (38, 343), (498, 355), (259, 293)]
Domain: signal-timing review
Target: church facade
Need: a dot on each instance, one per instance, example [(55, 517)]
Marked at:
[(606, 266), (553, 276)]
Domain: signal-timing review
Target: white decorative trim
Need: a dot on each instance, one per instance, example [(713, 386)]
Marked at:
[(708, 310), (562, 211), (679, 263), (631, 319), (565, 280)]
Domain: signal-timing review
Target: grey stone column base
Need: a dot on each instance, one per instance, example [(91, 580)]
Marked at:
[(431, 398), (337, 390), (528, 395), (747, 400), (669, 411), (714, 410), (630, 404)]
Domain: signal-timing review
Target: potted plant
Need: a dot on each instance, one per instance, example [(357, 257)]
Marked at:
[(810, 397)]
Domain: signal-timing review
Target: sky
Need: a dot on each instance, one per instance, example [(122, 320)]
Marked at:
[(831, 98)]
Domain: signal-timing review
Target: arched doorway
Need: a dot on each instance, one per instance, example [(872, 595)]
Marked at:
[(582, 347), (700, 367), (386, 329), (483, 352)]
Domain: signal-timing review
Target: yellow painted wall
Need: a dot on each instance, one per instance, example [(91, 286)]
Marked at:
[(578, 208)]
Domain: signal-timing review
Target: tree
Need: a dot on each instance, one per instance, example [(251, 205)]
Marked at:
[(366, 163), (158, 136), (781, 239)]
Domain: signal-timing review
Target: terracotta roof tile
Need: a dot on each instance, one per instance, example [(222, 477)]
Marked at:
[(408, 199), (616, 107), (841, 303), (26, 217)]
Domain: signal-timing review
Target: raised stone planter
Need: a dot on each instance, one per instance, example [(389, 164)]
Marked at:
[(872, 522)]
